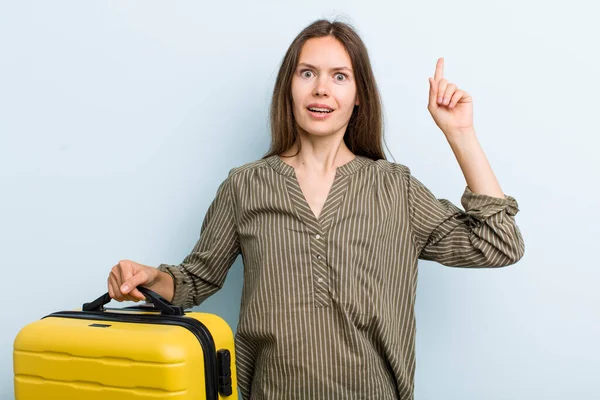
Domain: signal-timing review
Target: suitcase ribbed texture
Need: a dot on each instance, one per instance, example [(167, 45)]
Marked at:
[(64, 357)]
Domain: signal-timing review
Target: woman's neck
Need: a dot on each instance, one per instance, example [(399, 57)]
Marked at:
[(320, 159)]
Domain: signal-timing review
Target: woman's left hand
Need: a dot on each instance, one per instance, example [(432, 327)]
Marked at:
[(450, 107)]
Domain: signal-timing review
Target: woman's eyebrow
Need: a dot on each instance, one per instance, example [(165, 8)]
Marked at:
[(332, 69)]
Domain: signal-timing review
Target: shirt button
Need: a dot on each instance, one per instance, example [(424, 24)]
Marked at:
[(317, 236), (320, 280), (318, 257)]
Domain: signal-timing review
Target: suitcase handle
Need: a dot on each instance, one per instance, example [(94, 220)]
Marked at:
[(160, 303)]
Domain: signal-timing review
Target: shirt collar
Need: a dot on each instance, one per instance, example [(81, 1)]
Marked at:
[(349, 168)]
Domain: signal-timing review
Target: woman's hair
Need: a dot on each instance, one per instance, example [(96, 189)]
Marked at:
[(364, 133)]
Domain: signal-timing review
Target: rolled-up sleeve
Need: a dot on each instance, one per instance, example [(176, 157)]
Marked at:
[(203, 271), (483, 235)]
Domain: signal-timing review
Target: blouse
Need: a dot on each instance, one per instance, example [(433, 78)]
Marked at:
[(327, 306)]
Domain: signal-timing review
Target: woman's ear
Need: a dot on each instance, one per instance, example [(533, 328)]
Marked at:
[(356, 102)]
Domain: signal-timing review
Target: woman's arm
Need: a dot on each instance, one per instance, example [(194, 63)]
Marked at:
[(473, 163), (203, 271), (452, 111), (483, 235)]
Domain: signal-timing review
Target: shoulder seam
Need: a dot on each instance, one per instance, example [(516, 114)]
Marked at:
[(257, 164), (391, 167)]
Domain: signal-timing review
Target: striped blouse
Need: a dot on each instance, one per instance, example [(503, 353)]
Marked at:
[(327, 309)]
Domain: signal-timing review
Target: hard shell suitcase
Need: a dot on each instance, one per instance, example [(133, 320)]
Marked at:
[(156, 351)]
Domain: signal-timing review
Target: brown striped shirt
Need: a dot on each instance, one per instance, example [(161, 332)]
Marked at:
[(327, 306)]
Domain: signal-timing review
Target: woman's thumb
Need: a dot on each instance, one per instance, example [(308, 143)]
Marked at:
[(135, 280)]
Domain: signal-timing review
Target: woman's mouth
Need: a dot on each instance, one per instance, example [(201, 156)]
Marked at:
[(319, 113)]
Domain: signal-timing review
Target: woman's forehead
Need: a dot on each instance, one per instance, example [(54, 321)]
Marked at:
[(324, 53)]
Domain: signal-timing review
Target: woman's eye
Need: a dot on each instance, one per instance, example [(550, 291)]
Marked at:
[(344, 77)]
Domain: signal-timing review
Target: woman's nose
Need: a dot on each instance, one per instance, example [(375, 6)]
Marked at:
[(321, 86)]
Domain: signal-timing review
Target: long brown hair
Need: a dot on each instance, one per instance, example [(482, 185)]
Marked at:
[(364, 134)]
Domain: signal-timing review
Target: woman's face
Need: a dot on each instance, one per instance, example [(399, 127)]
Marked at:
[(323, 76)]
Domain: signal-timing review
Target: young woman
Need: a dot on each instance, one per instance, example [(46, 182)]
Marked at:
[(330, 232)]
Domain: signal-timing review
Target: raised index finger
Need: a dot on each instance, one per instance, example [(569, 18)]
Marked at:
[(439, 69)]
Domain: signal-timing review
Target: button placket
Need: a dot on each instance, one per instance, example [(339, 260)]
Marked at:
[(319, 227), (320, 271)]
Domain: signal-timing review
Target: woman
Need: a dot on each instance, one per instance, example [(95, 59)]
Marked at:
[(330, 232)]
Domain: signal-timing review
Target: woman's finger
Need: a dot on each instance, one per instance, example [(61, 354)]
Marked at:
[(138, 279), (113, 286), (442, 85), (455, 98), (450, 90), (439, 69), (432, 92), (116, 288), (126, 272), (111, 292)]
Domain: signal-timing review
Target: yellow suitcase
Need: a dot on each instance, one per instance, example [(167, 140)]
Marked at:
[(155, 351)]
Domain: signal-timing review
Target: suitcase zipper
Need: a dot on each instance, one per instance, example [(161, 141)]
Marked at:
[(193, 325)]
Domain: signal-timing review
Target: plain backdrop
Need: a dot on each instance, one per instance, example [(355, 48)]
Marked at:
[(119, 119)]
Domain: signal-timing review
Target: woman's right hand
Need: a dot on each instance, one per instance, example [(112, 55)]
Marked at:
[(126, 276)]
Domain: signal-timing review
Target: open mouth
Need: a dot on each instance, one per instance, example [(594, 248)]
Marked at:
[(319, 112)]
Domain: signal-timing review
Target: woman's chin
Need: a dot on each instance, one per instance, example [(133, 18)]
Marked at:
[(318, 132)]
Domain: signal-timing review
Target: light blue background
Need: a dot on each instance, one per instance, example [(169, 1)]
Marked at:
[(119, 119)]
